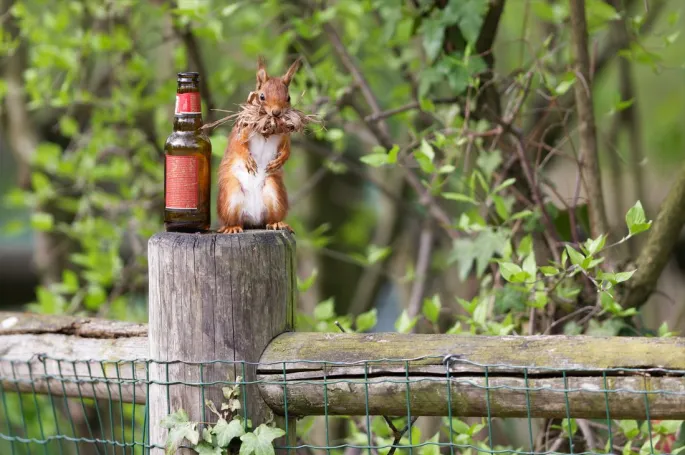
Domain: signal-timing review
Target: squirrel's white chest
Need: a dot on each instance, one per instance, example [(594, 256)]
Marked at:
[(263, 150)]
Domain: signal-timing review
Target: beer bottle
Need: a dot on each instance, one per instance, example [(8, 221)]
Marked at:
[(187, 155)]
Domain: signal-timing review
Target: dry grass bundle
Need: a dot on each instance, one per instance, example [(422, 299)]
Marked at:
[(255, 119)]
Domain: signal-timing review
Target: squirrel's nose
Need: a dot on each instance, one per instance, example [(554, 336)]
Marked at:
[(276, 112)]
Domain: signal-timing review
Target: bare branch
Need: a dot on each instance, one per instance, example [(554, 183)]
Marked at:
[(586, 118), (421, 270)]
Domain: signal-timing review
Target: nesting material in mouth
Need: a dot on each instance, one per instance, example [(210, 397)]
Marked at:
[(253, 117)]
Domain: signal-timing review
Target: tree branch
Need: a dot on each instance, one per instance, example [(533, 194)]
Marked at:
[(586, 118), (662, 238), (422, 264), (542, 126)]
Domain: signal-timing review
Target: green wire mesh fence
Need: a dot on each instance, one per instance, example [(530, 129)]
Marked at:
[(56, 406)]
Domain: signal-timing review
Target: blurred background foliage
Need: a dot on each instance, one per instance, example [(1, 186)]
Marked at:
[(404, 203)]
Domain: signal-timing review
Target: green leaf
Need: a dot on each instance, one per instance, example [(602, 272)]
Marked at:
[(530, 265), (375, 253), (576, 257), (392, 154), (569, 426), (509, 270), (548, 270), (594, 246), (431, 308), (636, 219), (505, 184), (599, 13), (325, 310), (174, 419), (42, 221), (367, 321), (564, 86), (432, 446), (425, 156), (303, 286), (404, 323), (260, 442), (459, 197), (375, 159), (468, 14), (205, 448), (623, 276), (179, 428), (460, 427), (433, 29), (226, 431)]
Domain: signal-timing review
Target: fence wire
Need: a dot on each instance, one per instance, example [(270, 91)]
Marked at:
[(56, 406)]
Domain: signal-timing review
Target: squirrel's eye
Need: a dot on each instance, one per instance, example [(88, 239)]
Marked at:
[(288, 98), (262, 97)]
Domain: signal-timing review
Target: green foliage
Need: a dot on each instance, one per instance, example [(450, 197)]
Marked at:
[(216, 438)]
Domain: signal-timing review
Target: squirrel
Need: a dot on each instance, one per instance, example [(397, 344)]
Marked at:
[(251, 193)]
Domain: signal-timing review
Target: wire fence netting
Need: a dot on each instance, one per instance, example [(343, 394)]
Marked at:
[(425, 406)]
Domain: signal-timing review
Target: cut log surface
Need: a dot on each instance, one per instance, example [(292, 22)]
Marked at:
[(72, 356), (497, 376)]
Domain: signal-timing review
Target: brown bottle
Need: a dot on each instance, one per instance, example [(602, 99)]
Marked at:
[(187, 157)]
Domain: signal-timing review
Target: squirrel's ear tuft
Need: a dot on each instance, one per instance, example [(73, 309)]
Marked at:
[(291, 71), (262, 77)]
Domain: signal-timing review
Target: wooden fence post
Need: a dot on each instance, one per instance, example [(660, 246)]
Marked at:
[(215, 297)]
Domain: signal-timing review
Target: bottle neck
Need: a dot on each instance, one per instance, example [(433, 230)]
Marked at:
[(187, 122), (188, 112)]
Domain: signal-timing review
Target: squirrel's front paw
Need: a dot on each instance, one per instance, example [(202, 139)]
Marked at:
[(251, 166), (230, 230), (273, 166), (279, 226)]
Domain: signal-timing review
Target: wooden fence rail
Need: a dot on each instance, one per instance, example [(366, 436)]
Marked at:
[(218, 297)]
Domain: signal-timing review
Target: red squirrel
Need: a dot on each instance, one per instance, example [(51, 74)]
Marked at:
[(251, 189)]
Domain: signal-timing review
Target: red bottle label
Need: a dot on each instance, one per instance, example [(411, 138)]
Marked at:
[(188, 103), (181, 182)]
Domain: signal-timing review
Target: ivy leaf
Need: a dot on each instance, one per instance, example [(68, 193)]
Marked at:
[(207, 449), (260, 441), (636, 220), (431, 308), (468, 14), (174, 419), (226, 431), (367, 321), (433, 35), (179, 428)]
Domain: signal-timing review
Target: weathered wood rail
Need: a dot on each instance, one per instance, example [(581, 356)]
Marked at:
[(551, 364), (230, 298)]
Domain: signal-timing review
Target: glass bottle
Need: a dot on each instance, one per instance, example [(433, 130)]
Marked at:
[(187, 158)]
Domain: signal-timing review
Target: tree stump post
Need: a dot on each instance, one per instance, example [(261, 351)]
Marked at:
[(215, 299)]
